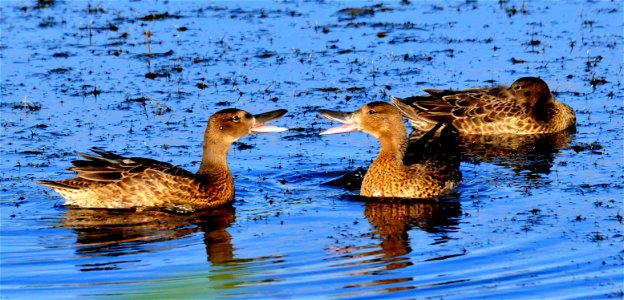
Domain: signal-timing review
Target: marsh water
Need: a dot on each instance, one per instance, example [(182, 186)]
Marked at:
[(537, 217)]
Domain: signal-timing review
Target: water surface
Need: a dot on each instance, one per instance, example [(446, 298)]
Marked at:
[(533, 218)]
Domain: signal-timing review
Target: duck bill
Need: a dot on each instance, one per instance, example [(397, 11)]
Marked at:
[(261, 119), (339, 116)]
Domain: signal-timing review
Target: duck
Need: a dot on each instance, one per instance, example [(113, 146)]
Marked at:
[(525, 107), (110, 181), (401, 169)]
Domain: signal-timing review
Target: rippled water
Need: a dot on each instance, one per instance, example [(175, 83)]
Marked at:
[(533, 218)]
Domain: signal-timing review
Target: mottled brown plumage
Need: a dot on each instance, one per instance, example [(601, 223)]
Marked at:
[(108, 180), (400, 170), (526, 107)]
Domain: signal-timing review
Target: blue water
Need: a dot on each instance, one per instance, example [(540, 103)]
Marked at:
[(533, 219)]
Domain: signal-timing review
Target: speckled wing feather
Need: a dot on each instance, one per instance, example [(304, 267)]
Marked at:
[(463, 109), (112, 167)]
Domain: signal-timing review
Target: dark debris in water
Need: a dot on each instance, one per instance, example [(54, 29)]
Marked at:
[(266, 54), (356, 89), (328, 90), (32, 152), (595, 147), (511, 11), (159, 16), (158, 55), (88, 89), (138, 100), (27, 105), (597, 81), (302, 133), (154, 75), (60, 55), (44, 3), (48, 22), (597, 237), (95, 9), (423, 56), (58, 71), (243, 146), (351, 13)]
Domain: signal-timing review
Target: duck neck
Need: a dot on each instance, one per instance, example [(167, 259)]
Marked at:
[(214, 158), (392, 147)]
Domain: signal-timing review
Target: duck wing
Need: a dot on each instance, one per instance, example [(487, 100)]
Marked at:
[(439, 94), (438, 148), (108, 167), (450, 106)]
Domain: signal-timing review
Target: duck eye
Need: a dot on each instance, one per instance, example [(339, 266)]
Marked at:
[(236, 119), (371, 111)]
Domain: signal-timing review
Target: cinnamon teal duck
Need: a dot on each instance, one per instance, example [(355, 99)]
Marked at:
[(526, 107), (400, 169), (108, 180)]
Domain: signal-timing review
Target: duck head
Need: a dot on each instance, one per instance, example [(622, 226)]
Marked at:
[(379, 119), (531, 90), (536, 94), (231, 124)]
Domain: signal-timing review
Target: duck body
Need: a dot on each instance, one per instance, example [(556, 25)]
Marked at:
[(388, 177), (117, 182), (526, 107), (108, 180), (400, 170)]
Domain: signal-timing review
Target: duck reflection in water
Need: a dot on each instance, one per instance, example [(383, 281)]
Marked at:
[(393, 219), (529, 156), (114, 233)]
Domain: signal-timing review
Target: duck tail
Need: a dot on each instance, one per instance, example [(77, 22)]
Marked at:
[(55, 184)]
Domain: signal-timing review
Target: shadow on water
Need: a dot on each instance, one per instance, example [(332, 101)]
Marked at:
[(116, 233), (533, 154)]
